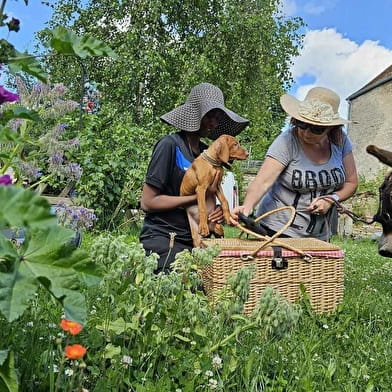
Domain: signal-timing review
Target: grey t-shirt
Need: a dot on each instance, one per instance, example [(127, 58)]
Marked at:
[(300, 182)]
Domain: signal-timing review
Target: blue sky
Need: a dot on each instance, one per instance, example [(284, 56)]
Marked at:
[(347, 42), (32, 18)]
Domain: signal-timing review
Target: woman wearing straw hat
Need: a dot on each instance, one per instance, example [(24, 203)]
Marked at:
[(166, 229), (312, 159)]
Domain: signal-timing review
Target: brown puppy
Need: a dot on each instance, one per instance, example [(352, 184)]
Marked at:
[(200, 176)]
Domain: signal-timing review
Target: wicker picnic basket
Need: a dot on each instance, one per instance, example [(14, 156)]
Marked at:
[(283, 263)]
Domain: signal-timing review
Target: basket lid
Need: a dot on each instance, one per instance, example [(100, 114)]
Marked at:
[(240, 247)]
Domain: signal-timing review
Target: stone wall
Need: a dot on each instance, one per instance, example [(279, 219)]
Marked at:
[(371, 117)]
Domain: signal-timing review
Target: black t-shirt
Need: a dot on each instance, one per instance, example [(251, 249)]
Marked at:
[(170, 159)]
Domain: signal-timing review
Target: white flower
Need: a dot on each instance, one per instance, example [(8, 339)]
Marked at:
[(217, 362), (197, 371), (178, 390), (68, 372), (193, 343), (212, 383), (126, 360), (55, 368), (186, 330), (325, 326), (209, 373), (30, 324)]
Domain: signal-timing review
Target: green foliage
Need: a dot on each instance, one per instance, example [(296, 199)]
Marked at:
[(371, 186), (45, 259), (150, 332), (8, 378), (167, 47), (23, 62), (114, 158), (68, 43)]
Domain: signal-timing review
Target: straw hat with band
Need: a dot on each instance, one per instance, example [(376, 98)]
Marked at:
[(203, 98), (320, 107)]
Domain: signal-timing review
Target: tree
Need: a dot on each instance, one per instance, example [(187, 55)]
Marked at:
[(167, 46)]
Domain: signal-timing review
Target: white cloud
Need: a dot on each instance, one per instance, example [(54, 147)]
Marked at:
[(331, 60)]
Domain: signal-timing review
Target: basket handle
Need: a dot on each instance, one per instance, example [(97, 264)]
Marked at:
[(268, 240)]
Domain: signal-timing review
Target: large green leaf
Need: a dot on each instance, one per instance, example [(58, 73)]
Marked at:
[(23, 208), (67, 42), (20, 112), (8, 379), (46, 258), (27, 63)]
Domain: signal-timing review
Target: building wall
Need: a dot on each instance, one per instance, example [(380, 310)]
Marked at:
[(371, 116)]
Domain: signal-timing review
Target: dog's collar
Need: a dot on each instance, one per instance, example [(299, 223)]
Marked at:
[(214, 162)]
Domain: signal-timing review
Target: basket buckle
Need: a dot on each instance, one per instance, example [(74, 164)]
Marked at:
[(278, 262)]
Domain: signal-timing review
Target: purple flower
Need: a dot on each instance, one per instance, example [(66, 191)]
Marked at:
[(5, 180), (7, 96), (13, 25), (56, 159)]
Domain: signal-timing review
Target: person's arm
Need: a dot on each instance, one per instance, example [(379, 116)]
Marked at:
[(351, 184), (267, 175), (153, 201), (345, 192)]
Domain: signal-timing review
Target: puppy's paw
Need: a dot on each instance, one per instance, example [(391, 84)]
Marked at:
[(203, 230)]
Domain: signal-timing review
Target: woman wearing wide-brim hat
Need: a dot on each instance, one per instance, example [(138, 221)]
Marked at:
[(166, 229), (309, 166)]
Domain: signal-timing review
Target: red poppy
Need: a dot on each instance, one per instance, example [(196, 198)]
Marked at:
[(71, 326), (76, 351)]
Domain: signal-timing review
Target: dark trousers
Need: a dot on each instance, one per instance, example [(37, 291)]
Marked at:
[(160, 245)]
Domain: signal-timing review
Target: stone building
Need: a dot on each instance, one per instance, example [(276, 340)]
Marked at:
[(370, 110)]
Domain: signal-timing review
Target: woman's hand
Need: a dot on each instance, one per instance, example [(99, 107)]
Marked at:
[(320, 205), (236, 210)]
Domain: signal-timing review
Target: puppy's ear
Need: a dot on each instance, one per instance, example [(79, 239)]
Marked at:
[(222, 149)]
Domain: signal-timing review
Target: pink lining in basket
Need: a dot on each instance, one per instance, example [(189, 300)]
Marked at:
[(333, 254)]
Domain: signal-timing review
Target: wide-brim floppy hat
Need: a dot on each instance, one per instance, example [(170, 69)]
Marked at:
[(203, 98), (320, 107)]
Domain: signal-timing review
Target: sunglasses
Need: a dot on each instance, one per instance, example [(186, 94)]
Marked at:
[(316, 129)]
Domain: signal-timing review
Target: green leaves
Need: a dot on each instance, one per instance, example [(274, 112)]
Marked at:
[(46, 258), (27, 63), (19, 112), (8, 378), (67, 42)]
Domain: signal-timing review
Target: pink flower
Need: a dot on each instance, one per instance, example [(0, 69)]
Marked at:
[(7, 96), (5, 180)]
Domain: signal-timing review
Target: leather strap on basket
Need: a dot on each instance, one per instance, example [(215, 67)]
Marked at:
[(269, 240)]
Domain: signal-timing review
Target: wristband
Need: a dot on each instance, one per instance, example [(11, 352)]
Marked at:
[(334, 196)]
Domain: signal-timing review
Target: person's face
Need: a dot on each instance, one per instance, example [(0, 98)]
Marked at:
[(311, 133), (209, 122)]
